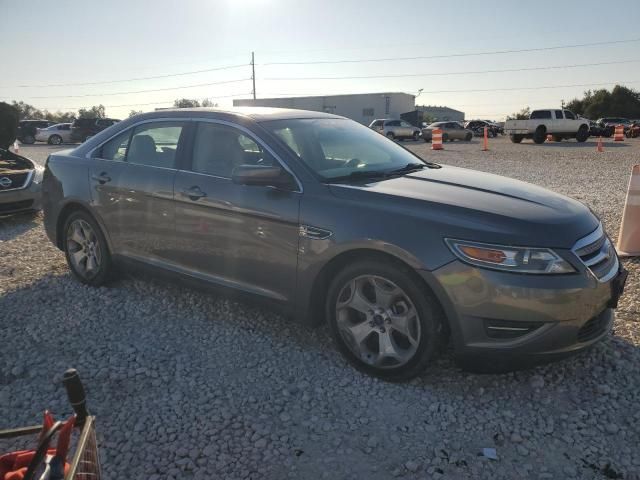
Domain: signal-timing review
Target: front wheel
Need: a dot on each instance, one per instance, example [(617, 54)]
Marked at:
[(468, 137), (382, 321), (416, 136), (86, 249), (29, 139), (391, 136), (583, 134)]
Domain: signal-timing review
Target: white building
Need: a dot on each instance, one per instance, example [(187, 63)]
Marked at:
[(363, 107)]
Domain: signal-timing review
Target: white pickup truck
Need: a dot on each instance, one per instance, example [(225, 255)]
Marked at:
[(558, 123)]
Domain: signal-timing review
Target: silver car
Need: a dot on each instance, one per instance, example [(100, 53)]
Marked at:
[(55, 134), (327, 220), (393, 129), (20, 184), (450, 131)]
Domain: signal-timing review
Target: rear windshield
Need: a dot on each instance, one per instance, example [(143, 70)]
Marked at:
[(538, 114)]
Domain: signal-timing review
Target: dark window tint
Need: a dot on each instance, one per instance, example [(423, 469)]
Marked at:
[(393, 123), (378, 123), (540, 114), (114, 149), (559, 114), (155, 144), (218, 149), (569, 115)]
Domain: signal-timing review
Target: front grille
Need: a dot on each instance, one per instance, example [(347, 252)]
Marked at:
[(15, 206), (597, 253), (593, 328), (18, 180)]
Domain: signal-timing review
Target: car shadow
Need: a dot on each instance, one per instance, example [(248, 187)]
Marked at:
[(12, 226), (589, 144)]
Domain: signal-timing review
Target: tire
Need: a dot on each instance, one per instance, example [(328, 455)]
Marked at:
[(557, 138), (540, 135), (391, 136), (583, 134), (416, 136), (426, 140), (80, 227), (29, 140), (445, 138), (55, 140), (411, 351), (516, 138), (468, 137)]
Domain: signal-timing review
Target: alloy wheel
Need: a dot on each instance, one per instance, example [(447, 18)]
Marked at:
[(378, 322), (84, 248)]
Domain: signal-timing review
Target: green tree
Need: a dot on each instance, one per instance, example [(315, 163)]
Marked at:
[(619, 102), (186, 103), (521, 115), (93, 112), (133, 113), (208, 103), (26, 111)]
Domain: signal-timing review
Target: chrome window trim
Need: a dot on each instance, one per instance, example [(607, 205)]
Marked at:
[(253, 136), (26, 183)]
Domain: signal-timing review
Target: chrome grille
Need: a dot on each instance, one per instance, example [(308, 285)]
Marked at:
[(16, 180), (597, 253)]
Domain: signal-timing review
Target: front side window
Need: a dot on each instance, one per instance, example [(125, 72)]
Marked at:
[(114, 149), (155, 144), (569, 115), (559, 115), (218, 149), (335, 148)]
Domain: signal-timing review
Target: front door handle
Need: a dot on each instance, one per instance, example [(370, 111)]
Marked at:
[(102, 178), (194, 193)]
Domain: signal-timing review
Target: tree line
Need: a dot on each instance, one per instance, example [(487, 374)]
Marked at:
[(619, 102)]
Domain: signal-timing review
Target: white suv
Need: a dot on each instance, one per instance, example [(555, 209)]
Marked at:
[(395, 129)]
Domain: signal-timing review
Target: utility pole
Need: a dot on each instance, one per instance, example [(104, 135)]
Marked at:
[(253, 73)]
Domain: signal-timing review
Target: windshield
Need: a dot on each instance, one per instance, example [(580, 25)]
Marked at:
[(337, 148)]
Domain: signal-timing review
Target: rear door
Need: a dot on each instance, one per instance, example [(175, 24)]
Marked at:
[(240, 236), (406, 128)]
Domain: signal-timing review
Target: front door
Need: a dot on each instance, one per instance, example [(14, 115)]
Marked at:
[(239, 236)]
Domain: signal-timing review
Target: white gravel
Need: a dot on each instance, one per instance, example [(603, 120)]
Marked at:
[(186, 384)]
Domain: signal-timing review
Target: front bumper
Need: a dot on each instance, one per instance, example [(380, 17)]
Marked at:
[(21, 200), (511, 320)]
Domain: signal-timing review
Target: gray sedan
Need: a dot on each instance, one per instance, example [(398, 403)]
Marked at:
[(55, 134), (450, 131), (329, 221)]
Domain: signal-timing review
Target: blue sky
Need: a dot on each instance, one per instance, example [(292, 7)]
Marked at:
[(64, 42)]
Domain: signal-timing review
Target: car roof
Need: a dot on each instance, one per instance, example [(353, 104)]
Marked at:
[(258, 114)]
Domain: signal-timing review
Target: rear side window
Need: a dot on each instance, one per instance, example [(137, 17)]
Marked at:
[(393, 123), (559, 115), (377, 123), (540, 114), (114, 149), (155, 144)]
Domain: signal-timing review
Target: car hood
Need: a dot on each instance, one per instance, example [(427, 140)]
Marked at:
[(472, 205)]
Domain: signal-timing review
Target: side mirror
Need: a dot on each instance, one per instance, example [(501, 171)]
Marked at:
[(261, 175)]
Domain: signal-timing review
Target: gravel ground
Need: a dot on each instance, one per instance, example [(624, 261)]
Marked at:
[(186, 384)]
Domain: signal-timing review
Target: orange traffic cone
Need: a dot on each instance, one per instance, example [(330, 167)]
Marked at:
[(436, 139), (549, 138), (618, 135), (629, 236), (600, 147), (485, 142), (16, 147)]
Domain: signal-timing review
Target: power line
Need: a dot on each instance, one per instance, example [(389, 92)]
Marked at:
[(142, 91), (193, 72), (215, 97), (450, 55), (434, 74)]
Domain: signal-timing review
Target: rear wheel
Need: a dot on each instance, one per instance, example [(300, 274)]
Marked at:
[(86, 249), (445, 138), (55, 140), (416, 136), (516, 138), (391, 136), (29, 139), (468, 137), (583, 134), (382, 322)]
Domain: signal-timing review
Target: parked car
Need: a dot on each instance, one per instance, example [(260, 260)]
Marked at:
[(559, 123), (27, 129), (450, 131), (393, 129), (597, 130), (477, 127), (610, 123), (20, 183), (55, 134), (330, 221), (633, 130), (83, 128)]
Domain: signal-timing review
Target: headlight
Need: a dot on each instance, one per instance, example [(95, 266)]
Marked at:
[(37, 175), (511, 259)]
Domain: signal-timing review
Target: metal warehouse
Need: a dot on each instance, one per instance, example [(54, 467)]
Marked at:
[(363, 108)]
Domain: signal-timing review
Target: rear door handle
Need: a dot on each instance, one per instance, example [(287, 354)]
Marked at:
[(194, 193), (102, 178)]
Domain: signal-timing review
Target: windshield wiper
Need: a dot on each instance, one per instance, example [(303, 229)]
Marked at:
[(359, 174), (408, 168)]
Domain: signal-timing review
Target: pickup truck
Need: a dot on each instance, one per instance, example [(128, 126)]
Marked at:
[(560, 124)]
